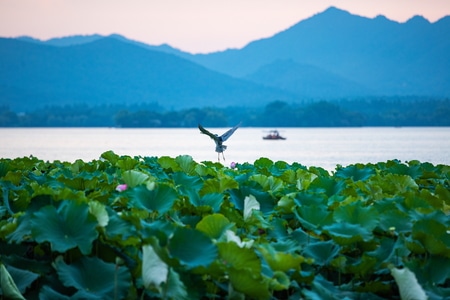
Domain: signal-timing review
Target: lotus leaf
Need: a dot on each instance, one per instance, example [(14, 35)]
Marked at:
[(160, 199), (346, 233), (68, 226), (281, 261), (195, 231), (94, 278), (8, 287), (192, 247), (154, 270), (322, 252), (250, 204), (214, 225), (314, 217), (175, 288), (134, 178), (233, 256), (186, 163), (355, 172), (355, 213), (250, 283)]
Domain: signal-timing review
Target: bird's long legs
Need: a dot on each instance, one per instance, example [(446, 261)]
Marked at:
[(218, 156)]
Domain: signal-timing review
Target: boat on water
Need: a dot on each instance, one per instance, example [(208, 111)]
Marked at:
[(273, 135)]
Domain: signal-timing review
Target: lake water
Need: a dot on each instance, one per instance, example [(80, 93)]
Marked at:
[(323, 147)]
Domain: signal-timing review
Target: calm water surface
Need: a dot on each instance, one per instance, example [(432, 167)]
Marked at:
[(324, 147)]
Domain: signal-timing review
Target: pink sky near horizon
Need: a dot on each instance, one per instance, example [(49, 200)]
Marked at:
[(196, 26)]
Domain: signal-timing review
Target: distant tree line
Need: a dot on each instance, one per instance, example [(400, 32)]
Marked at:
[(394, 111)]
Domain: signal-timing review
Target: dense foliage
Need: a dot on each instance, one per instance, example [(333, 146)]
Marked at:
[(393, 111), (170, 228)]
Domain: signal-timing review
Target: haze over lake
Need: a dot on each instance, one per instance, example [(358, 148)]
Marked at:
[(322, 147)]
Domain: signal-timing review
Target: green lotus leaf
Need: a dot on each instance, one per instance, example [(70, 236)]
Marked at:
[(355, 213), (250, 284), (160, 199), (280, 261), (263, 163), (324, 289), (356, 172), (304, 179), (134, 178), (346, 233), (47, 293), (390, 250), (435, 271), (314, 217), (268, 183), (213, 200), (391, 217), (433, 235), (214, 225), (22, 278), (327, 185), (233, 256), (154, 270), (127, 163), (120, 229), (250, 204), (289, 176), (219, 184), (8, 287), (69, 226), (444, 194), (267, 202), (175, 288), (94, 278), (167, 162), (279, 281), (159, 229), (302, 238), (322, 252), (186, 163), (23, 229), (187, 185), (412, 170), (110, 156), (98, 210), (398, 184), (306, 199), (364, 265), (192, 248)]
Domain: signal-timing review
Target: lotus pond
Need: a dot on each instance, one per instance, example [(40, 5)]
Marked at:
[(124, 227)]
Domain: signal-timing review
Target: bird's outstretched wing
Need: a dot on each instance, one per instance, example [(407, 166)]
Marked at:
[(204, 131), (227, 134)]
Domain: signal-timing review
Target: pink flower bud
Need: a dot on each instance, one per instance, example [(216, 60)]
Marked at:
[(121, 187), (233, 165)]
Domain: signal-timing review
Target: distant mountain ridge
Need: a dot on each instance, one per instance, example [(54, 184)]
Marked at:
[(109, 71), (333, 54), (384, 56)]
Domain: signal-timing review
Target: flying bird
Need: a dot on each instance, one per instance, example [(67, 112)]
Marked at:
[(220, 147)]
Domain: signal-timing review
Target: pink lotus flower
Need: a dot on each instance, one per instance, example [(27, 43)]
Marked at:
[(121, 187), (233, 165)]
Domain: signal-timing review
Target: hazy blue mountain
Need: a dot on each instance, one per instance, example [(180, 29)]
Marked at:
[(388, 57), (307, 81), (108, 70), (333, 54)]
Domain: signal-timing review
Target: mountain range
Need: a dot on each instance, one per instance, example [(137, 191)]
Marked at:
[(331, 55)]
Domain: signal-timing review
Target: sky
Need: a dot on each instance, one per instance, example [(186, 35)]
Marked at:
[(196, 26)]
